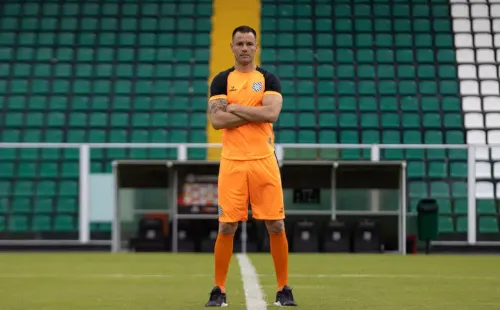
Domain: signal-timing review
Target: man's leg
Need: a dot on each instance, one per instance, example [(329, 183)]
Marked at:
[(279, 250), (266, 197), (223, 252), (233, 207)]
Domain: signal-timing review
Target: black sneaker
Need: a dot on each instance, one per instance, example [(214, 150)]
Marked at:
[(217, 298), (284, 298)]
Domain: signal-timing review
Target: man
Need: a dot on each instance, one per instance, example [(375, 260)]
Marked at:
[(244, 101)]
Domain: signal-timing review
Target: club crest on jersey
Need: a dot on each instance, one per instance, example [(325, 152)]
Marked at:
[(257, 86)]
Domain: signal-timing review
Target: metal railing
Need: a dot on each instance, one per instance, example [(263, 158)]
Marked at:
[(182, 154)]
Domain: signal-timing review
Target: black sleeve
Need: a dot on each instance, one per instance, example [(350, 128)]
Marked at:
[(272, 83), (219, 85)]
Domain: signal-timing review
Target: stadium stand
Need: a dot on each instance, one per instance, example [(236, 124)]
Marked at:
[(352, 72), (476, 27), (375, 73), (93, 71)]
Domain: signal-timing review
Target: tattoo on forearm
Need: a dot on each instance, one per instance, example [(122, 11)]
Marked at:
[(218, 104)]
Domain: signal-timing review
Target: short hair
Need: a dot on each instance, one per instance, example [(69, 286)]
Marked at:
[(245, 29)]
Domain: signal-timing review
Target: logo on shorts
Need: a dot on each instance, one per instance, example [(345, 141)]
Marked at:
[(257, 86), (219, 210)]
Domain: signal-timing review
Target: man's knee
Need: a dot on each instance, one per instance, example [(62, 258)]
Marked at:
[(227, 228), (275, 226)]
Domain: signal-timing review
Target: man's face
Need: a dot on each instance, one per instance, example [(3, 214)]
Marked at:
[(244, 47)]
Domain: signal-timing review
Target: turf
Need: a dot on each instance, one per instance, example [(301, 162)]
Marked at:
[(389, 282), (110, 281), (183, 281)]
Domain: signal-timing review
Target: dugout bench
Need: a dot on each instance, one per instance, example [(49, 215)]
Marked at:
[(319, 216)]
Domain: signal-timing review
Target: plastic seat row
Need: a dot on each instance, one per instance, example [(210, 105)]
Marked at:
[(361, 104), (44, 187), (323, 40), (369, 87), (37, 223), (437, 169), (483, 136), (478, 104), (387, 120), (459, 206), (116, 103), (38, 205), (481, 71), (50, 57), (348, 9), (107, 120), (359, 25), (476, 56), (487, 224), (488, 170), (102, 70), (368, 55), (39, 169), (363, 71), (153, 135), (148, 8), (487, 189), (482, 120), (437, 189), (112, 24), (103, 86)]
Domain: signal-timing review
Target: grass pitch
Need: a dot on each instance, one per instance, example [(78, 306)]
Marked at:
[(100, 281)]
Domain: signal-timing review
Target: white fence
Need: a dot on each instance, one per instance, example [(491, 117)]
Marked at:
[(182, 154)]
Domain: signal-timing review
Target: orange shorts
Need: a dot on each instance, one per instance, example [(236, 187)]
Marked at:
[(257, 182)]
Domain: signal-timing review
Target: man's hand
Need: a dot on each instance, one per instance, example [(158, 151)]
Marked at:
[(220, 117), (267, 113), (232, 107)]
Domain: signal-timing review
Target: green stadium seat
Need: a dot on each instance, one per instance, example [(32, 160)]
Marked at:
[(2, 223), (444, 206), (488, 224), (446, 224), (438, 170), (461, 224), (64, 223), (91, 51), (460, 206), (41, 223), (486, 207), (18, 223), (458, 170), (43, 205), (416, 170)]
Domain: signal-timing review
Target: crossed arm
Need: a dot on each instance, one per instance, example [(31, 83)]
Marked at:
[(223, 115), (220, 118)]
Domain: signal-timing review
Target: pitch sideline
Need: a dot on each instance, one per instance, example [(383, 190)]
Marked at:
[(208, 275)]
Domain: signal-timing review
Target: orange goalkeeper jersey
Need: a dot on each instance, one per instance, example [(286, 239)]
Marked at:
[(252, 140)]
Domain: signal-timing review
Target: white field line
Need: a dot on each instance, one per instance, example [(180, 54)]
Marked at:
[(248, 273), (253, 291), (393, 276), (101, 275)]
